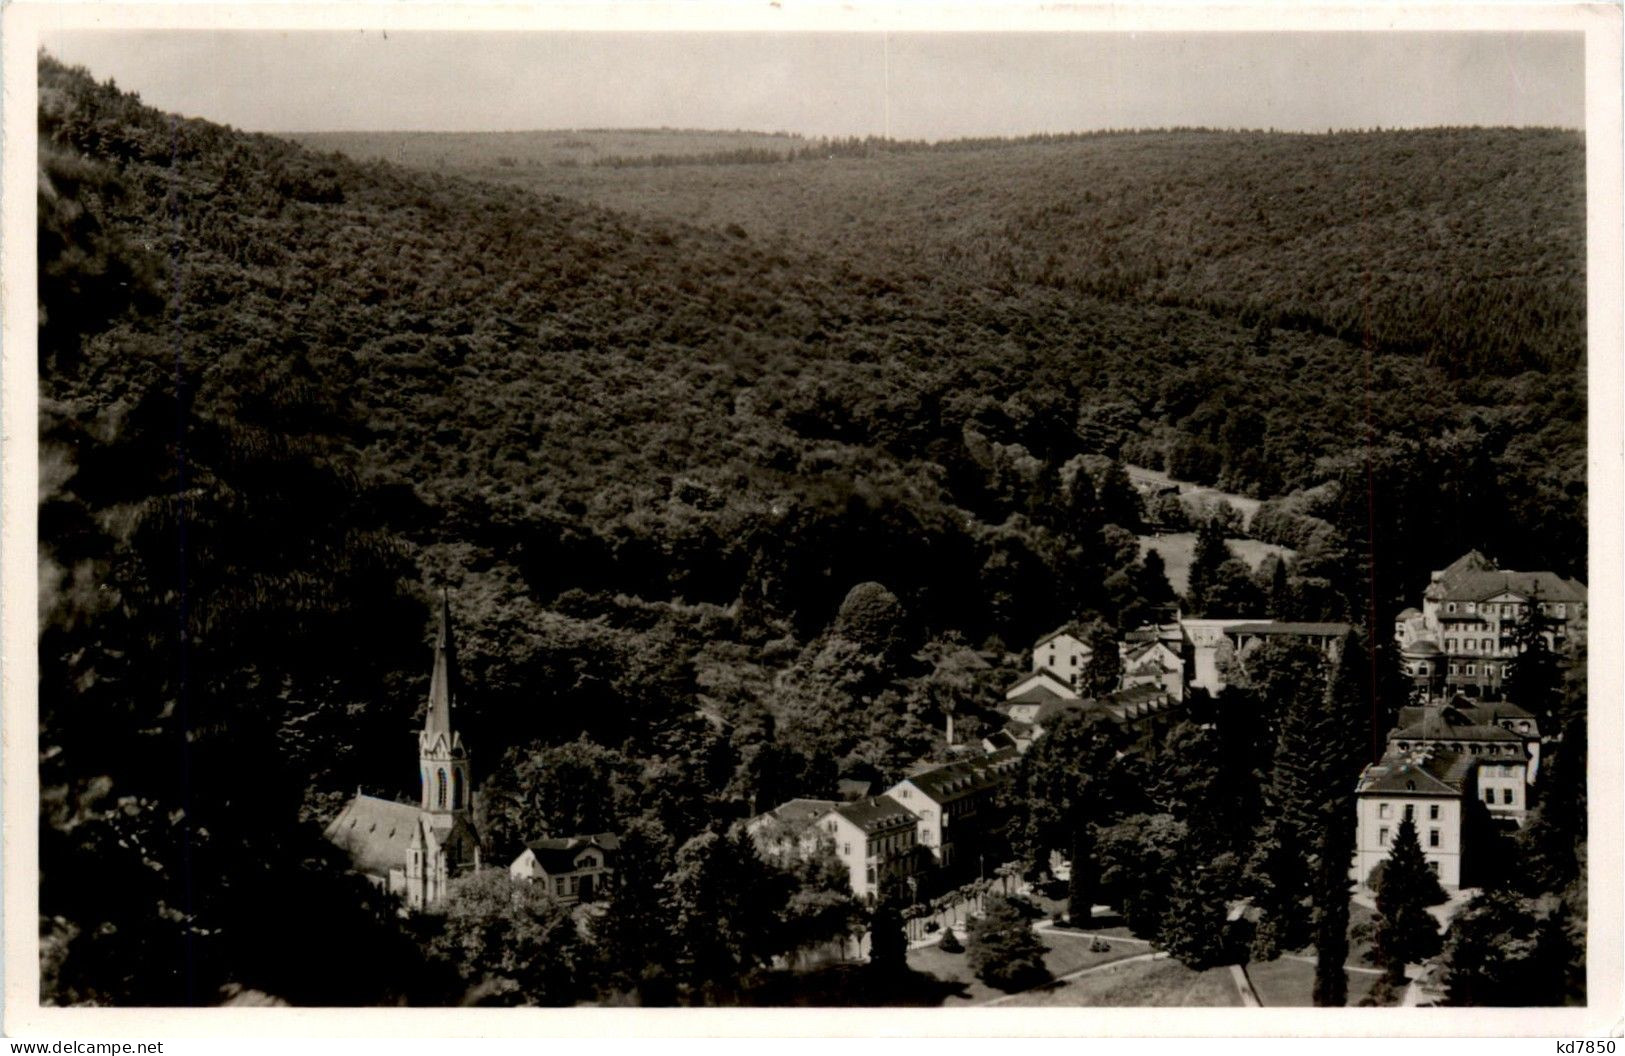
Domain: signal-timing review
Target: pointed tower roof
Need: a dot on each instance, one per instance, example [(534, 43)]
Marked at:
[(438, 719)]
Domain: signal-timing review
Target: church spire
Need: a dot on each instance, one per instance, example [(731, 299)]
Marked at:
[(442, 759), (438, 719)]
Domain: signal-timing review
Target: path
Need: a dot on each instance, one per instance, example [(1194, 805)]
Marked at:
[(1069, 976), (1244, 987)]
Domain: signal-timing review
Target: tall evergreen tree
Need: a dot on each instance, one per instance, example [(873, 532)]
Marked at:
[(1211, 553), (1081, 884), (888, 943), (1105, 667), (1337, 757), (1282, 603), (1119, 502), (1406, 932), (1533, 677)]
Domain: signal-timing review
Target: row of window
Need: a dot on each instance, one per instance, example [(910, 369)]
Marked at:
[(1506, 796), (1386, 810), (1382, 837), (1490, 670), (1476, 749), (1506, 608), (1473, 645)]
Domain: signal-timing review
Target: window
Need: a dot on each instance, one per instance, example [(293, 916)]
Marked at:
[(1471, 645), (1488, 645), (1469, 606), (558, 886), (1453, 670), (1421, 667), (1506, 796), (1386, 810), (1382, 836), (457, 789), (1074, 659), (1433, 812), (846, 848), (1433, 837), (1435, 867), (440, 787), (1489, 795), (1410, 812), (1449, 645), (1561, 610), (1450, 606), (1471, 669), (869, 874)]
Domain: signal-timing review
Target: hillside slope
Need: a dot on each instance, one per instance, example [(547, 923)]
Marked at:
[(1463, 245)]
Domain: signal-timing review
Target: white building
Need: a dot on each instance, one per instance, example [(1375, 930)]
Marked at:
[(875, 839), (1430, 787), (571, 868), (1064, 653), (954, 803)]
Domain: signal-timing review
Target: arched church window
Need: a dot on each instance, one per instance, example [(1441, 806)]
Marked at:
[(441, 787), (456, 790)]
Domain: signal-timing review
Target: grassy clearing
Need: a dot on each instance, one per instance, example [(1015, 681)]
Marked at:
[(1179, 548), (1164, 984), (1290, 983), (1066, 953)]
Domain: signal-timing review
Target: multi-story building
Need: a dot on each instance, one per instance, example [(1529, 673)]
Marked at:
[(1430, 787), (876, 840), (1492, 730), (955, 805), (1463, 638)]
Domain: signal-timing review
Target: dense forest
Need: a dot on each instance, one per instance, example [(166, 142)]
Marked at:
[(728, 512)]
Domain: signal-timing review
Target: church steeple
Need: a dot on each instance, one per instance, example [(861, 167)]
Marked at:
[(442, 759)]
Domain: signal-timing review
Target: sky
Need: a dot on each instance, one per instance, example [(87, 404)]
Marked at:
[(907, 85)]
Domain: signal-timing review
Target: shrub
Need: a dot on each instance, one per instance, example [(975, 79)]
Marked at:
[(1003, 951), (950, 942)]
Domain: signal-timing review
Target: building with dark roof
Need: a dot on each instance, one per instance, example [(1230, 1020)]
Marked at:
[(1063, 652), (956, 805), (1039, 686), (1470, 612), (875, 839), (1430, 787), (570, 868), (416, 851)]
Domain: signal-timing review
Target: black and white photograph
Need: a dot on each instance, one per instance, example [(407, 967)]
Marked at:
[(1031, 517)]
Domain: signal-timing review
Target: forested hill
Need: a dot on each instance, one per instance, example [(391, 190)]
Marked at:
[(731, 509), (1465, 246)]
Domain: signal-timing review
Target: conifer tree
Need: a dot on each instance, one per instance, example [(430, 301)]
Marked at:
[(1080, 891), (1339, 749), (888, 943), (1002, 949), (1282, 604), (1105, 667), (1119, 502), (1533, 677), (1211, 554), (1406, 932)]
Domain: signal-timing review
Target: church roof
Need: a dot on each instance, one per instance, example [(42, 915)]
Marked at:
[(375, 833)]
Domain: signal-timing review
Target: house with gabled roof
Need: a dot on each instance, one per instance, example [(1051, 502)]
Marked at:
[(1430, 787), (1039, 686), (790, 830), (570, 868), (1064, 652)]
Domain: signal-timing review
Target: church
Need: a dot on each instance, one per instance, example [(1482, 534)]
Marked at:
[(416, 851)]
